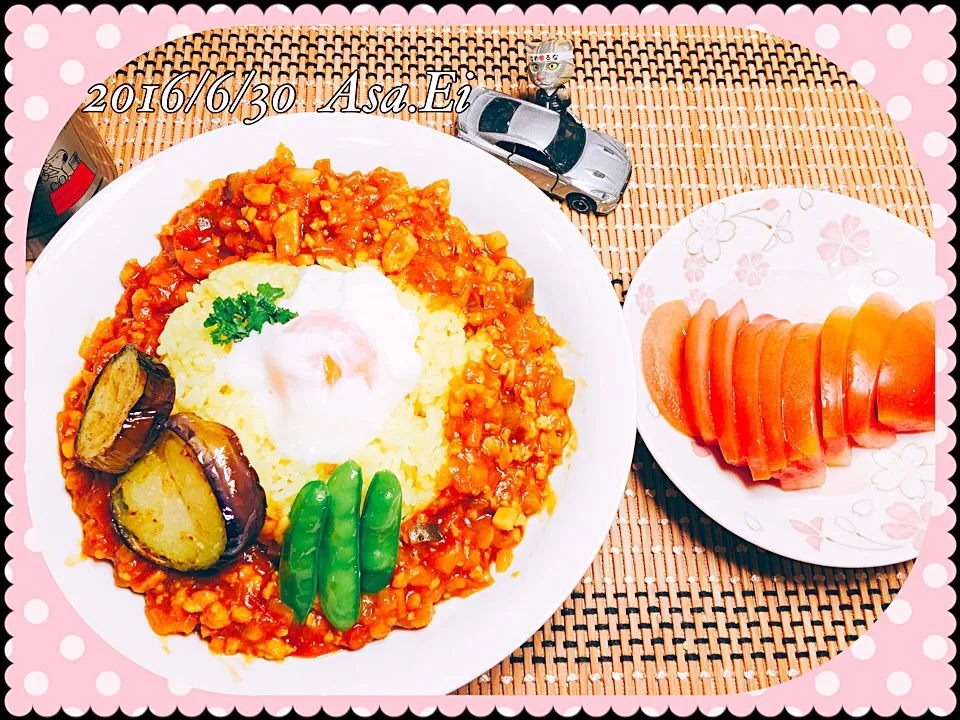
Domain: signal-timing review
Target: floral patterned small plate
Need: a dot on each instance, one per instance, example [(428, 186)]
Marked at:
[(796, 254)]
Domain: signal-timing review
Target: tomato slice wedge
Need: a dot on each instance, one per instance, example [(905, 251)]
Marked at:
[(771, 407), (697, 365), (905, 385), (833, 365), (800, 393), (869, 336), (662, 353), (723, 341), (746, 395)]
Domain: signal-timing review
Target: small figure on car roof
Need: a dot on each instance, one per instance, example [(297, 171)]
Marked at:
[(550, 67)]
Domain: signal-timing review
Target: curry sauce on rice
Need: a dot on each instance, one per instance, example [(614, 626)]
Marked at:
[(472, 443)]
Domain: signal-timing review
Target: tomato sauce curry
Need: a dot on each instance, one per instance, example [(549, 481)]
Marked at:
[(506, 427)]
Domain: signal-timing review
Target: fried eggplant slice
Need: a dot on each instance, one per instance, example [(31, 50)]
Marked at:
[(129, 402), (193, 502)]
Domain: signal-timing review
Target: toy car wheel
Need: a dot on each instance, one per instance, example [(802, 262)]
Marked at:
[(581, 203)]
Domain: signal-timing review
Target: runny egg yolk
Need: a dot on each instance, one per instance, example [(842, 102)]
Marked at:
[(327, 380)]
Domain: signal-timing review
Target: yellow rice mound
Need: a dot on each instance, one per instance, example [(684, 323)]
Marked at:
[(411, 443)]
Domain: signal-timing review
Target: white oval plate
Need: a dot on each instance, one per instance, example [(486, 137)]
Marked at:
[(75, 283), (796, 254)]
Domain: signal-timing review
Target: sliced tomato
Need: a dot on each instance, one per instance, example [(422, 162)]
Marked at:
[(833, 364), (697, 365), (905, 385), (723, 341), (869, 335), (662, 356), (771, 408), (803, 474), (746, 395), (800, 393)]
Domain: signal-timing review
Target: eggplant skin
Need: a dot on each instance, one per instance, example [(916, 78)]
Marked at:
[(232, 478), (128, 404)]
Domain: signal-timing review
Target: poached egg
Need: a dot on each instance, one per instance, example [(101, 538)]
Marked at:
[(327, 380)]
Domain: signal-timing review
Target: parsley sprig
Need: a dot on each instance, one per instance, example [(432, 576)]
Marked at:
[(235, 318)]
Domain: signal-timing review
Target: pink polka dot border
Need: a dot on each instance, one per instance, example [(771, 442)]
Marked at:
[(903, 58)]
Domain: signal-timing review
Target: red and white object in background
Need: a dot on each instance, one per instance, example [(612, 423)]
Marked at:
[(76, 168)]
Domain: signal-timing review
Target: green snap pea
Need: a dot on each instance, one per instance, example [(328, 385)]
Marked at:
[(339, 579), (299, 557), (380, 532)]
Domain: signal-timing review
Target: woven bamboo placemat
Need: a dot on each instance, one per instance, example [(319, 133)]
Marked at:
[(673, 603)]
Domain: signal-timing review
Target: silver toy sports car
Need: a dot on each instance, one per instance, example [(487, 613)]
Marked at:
[(587, 169)]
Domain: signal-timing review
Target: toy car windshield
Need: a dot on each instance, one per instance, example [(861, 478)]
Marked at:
[(567, 145), (496, 116)]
